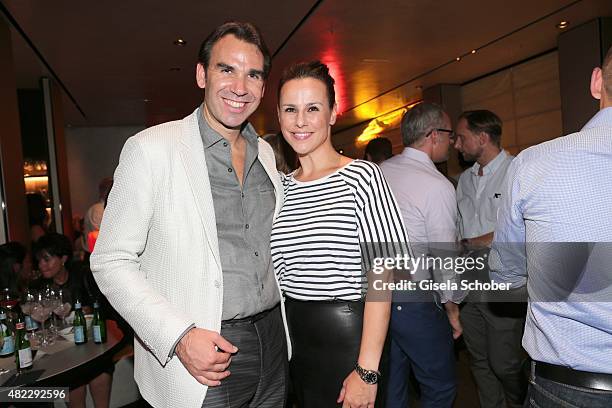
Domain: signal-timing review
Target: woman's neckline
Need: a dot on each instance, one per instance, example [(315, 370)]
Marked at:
[(321, 179)]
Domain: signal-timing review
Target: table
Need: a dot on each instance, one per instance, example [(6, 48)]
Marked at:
[(65, 361)]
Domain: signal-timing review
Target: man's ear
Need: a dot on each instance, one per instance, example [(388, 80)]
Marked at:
[(201, 75), (596, 83), (483, 138)]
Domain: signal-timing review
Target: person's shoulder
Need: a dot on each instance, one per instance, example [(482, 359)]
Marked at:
[(362, 170), (163, 133)]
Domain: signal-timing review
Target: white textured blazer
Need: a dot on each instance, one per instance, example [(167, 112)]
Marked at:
[(157, 256)]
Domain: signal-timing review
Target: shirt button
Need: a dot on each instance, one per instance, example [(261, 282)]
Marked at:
[(224, 144), (242, 195), (399, 308), (256, 253), (229, 170), (246, 226)]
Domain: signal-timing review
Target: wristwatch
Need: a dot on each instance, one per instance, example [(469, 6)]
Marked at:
[(368, 376)]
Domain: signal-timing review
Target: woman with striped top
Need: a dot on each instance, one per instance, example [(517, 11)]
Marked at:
[(333, 207)]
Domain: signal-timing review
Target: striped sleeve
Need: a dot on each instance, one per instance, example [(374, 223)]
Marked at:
[(381, 228)]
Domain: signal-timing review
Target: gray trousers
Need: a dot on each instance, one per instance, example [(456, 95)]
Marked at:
[(259, 370), (493, 339)]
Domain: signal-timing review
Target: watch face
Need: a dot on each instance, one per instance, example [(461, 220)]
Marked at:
[(370, 377)]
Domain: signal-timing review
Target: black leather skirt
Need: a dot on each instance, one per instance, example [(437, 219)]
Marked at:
[(325, 336)]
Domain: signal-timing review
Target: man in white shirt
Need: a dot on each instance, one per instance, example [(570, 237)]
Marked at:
[(553, 236), (492, 331), (421, 336)]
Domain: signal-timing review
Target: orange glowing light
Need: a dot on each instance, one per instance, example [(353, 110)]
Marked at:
[(381, 123)]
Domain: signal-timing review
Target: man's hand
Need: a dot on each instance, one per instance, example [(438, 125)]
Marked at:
[(355, 393), (452, 312), (206, 355)]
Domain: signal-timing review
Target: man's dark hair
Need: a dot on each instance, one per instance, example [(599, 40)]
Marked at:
[(606, 72), (378, 149), (54, 244), (246, 32), (312, 69), (419, 121), (484, 121)]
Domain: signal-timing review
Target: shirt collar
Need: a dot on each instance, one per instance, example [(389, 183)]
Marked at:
[(415, 154), (601, 118), (210, 136), (492, 166)]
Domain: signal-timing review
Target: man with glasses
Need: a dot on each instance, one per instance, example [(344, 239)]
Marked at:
[(421, 336), (492, 330)]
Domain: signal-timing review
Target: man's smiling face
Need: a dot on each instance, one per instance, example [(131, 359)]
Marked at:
[(233, 83)]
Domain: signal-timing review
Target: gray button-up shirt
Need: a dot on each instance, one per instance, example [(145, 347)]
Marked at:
[(244, 222)]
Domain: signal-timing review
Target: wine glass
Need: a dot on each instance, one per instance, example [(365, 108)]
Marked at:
[(28, 300), (50, 302), (40, 313), (63, 308)]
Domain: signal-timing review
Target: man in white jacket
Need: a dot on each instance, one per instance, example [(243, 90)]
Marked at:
[(183, 252)]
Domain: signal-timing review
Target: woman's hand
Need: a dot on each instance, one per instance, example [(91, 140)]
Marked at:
[(355, 393)]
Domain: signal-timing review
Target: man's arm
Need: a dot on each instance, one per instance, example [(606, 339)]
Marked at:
[(442, 233), (116, 259), (441, 221), (507, 259)]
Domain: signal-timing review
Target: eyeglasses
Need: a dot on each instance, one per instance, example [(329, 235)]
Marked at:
[(451, 134)]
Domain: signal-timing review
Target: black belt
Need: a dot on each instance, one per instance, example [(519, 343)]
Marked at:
[(248, 320), (565, 375)]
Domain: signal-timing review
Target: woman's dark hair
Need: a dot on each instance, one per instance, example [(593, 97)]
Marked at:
[(246, 32), (54, 244), (313, 69)]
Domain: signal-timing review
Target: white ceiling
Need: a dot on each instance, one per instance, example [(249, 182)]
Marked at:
[(112, 56)]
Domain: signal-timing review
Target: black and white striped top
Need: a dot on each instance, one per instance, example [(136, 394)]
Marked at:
[(316, 236)]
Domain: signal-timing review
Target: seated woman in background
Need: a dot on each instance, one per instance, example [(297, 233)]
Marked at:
[(53, 253), (333, 204), (15, 267)]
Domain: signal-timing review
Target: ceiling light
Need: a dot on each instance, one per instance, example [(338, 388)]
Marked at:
[(419, 87), (375, 60), (458, 58), (145, 100), (180, 42), (563, 25), (473, 51)]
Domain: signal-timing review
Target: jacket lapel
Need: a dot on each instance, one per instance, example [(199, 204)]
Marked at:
[(194, 161)]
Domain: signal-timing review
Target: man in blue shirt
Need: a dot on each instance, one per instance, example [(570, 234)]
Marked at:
[(554, 234)]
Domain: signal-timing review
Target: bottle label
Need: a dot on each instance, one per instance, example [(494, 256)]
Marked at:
[(25, 357), (30, 324), (79, 334), (97, 334), (8, 347)]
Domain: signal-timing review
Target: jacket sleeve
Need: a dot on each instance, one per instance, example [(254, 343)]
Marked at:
[(116, 262)]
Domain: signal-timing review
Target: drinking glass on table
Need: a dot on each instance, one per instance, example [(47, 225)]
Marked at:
[(41, 313), (27, 303), (63, 308), (50, 302)]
